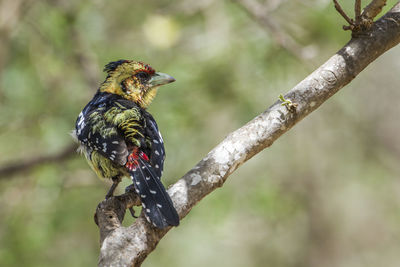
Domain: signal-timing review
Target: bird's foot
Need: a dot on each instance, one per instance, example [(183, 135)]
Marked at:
[(110, 192), (130, 189)]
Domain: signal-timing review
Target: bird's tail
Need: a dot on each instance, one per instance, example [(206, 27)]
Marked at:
[(156, 202)]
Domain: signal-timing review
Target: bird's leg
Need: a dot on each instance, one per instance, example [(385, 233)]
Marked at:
[(131, 189), (110, 192)]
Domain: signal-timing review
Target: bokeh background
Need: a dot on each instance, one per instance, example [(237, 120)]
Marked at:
[(327, 193)]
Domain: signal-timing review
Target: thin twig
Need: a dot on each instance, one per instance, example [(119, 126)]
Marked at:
[(357, 10), (341, 12)]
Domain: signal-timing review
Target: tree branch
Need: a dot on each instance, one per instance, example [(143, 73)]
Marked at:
[(341, 12), (28, 164), (129, 246), (357, 10), (373, 9), (362, 22)]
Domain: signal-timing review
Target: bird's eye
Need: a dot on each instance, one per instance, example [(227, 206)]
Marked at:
[(143, 76)]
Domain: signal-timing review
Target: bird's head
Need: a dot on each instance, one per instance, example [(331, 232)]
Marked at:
[(134, 81)]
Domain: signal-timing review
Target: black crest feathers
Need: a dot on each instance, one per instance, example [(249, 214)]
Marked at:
[(114, 64)]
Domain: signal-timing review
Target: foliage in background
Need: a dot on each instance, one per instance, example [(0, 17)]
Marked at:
[(325, 194)]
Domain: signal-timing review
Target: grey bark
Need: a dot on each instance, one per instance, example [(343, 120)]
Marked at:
[(129, 246)]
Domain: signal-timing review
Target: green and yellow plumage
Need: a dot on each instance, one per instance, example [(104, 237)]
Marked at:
[(120, 138), (136, 90)]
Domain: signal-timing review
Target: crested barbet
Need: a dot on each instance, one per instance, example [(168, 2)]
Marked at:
[(121, 139)]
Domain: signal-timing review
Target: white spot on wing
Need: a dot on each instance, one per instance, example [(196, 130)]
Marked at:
[(159, 134), (153, 192), (81, 123)]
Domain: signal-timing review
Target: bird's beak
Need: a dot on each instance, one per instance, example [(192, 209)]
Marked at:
[(160, 78)]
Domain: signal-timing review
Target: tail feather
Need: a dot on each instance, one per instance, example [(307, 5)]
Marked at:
[(156, 202)]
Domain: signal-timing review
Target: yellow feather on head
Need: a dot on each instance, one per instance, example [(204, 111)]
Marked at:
[(133, 80)]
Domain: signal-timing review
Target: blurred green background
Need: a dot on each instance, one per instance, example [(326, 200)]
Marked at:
[(327, 193)]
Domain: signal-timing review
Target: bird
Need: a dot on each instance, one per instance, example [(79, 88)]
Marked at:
[(120, 138)]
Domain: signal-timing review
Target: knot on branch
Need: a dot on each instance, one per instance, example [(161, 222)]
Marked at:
[(111, 212)]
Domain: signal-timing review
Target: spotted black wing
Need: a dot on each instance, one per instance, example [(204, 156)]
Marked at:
[(156, 143), (96, 133), (157, 204), (145, 165)]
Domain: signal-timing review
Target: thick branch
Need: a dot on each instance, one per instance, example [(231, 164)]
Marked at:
[(129, 246), (112, 212)]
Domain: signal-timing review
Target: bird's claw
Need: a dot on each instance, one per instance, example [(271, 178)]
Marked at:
[(130, 189)]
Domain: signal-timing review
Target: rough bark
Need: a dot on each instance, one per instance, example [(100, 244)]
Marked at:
[(129, 246)]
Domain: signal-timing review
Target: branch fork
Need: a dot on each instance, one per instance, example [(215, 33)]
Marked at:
[(362, 22)]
